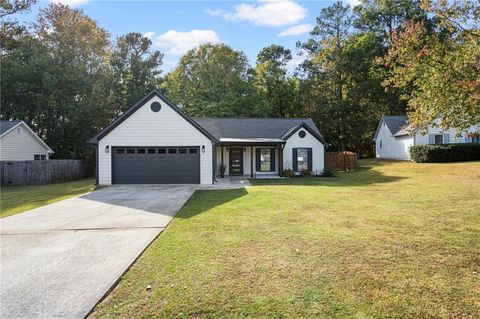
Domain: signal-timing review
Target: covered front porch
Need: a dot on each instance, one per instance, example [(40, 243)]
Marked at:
[(252, 158)]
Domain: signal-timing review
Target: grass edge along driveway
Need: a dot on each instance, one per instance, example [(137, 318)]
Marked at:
[(391, 240), (18, 199)]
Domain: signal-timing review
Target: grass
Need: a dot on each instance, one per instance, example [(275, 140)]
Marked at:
[(391, 240), (17, 199)]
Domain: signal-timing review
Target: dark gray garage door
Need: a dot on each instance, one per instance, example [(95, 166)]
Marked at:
[(156, 165)]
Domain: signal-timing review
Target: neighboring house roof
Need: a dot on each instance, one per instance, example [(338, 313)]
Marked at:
[(395, 123), (7, 126), (137, 106), (259, 129)]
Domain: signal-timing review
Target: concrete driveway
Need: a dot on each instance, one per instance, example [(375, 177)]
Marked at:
[(60, 259)]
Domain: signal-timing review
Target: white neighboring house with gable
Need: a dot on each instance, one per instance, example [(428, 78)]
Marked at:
[(19, 143), (394, 137)]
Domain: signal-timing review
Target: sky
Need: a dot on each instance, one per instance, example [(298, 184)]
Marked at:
[(177, 26)]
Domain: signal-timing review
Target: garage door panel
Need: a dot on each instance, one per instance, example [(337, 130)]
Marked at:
[(157, 168)]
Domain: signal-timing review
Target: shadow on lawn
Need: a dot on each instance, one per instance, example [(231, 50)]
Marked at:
[(209, 199), (364, 175)]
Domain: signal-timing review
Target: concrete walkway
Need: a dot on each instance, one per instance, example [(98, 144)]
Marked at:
[(59, 260)]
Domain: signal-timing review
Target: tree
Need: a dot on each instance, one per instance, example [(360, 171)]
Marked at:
[(56, 80), (135, 69), (440, 66), (277, 90), (11, 30), (327, 61), (386, 16), (211, 80)]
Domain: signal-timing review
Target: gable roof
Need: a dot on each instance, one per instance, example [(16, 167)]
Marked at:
[(256, 128), (137, 106), (394, 123), (7, 126)]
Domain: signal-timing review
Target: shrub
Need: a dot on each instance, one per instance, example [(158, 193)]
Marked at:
[(305, 173), (287, 173), (327, 172), (445, 153), (222, 170)]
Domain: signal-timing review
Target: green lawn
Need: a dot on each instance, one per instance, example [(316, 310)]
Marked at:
[(391, 240), (17, 199)]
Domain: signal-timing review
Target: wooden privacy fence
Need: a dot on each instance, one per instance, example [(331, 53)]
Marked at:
[(41, 172), (341, 161)]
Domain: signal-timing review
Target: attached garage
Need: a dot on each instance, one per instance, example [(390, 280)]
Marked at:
[(156, 165)]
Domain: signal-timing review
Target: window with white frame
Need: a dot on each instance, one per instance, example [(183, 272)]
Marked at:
[(39, 157), (438, 139)]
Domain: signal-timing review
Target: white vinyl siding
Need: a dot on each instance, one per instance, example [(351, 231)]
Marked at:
[(392, 147), (21, 147), (147, 128), (309, 141)]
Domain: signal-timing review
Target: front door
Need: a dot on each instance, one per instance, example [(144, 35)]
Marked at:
[(236, 161)]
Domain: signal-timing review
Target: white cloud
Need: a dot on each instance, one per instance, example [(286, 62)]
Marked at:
[(178, 42), (71, 3), (353, 3), (214, 12), (149, 34), (296, 30), (271, 13)]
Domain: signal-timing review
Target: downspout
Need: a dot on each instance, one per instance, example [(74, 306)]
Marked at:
[(214, 162)]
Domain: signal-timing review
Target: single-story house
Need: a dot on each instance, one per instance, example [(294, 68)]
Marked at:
[(395, 136), (19, 143), (155, 142)]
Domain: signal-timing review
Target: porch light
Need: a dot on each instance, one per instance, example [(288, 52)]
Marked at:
[(203, 148), (107, 148)]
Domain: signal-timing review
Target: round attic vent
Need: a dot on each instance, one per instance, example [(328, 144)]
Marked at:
[(155, 106), (302, 134)]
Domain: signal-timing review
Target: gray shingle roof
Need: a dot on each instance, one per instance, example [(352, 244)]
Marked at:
[(6, 125), (395, 122), (252, 127)]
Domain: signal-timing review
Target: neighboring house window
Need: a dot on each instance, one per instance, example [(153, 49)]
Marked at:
[(302, 134), (39, 157), (476, 139), (438, 139), (302, 158), (265, 160), (381, 144), (19, 131)]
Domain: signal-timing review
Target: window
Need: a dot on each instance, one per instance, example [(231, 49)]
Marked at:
[(19, 131), (438, 139), (155, 107), (302, 158), (140, 151), (120, 150), (302, 134), (151, 151), (182, 150), (172, 151), (39, 157), (130, 151), (162, 151), (381, 143), (265, 160), (192, 151)]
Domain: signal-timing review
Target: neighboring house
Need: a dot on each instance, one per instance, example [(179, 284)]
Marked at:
[(19, 143), (155, 142), (395, 136)]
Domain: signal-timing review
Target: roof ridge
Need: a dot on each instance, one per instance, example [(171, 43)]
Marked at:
[(254, 118)]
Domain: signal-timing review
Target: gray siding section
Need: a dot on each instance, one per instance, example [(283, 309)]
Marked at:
[(41, 172), (156, 168)]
